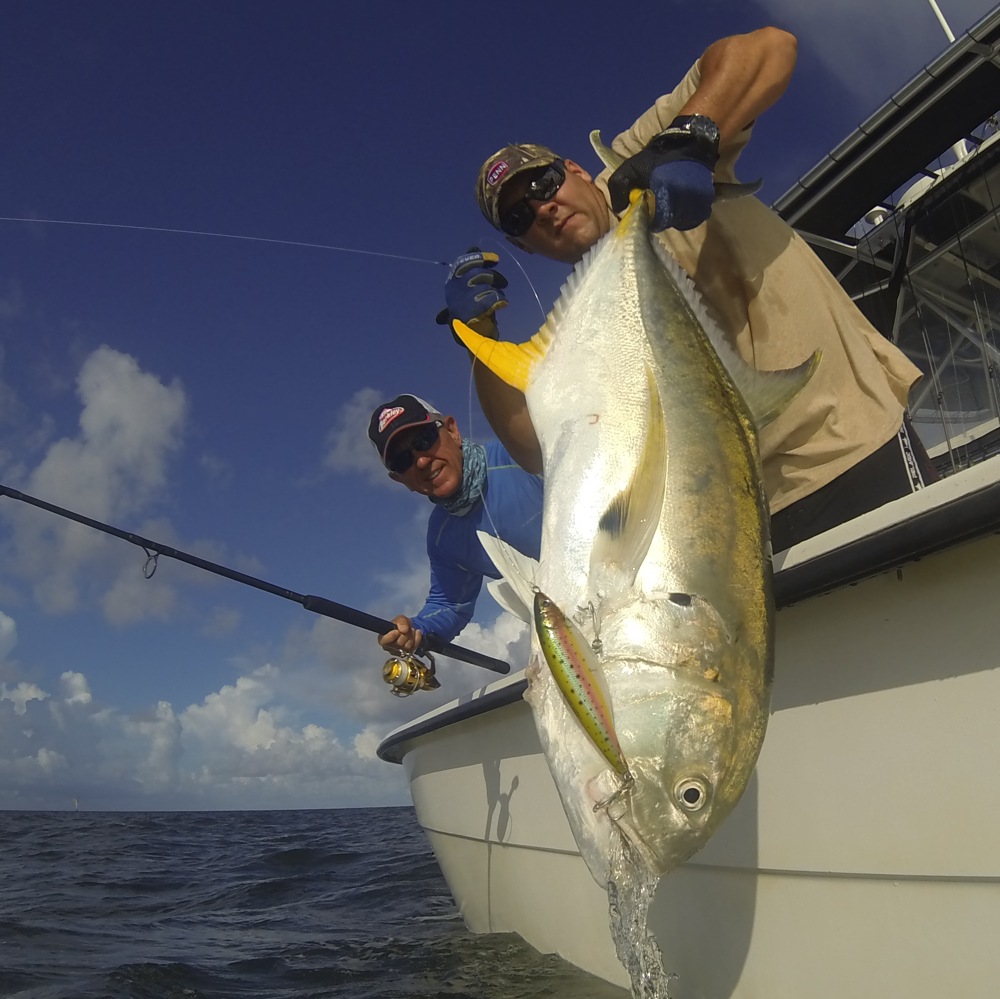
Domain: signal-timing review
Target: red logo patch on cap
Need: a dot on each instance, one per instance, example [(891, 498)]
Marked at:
[(496, 172), (388, 415)]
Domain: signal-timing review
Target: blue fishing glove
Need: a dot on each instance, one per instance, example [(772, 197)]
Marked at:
[(473, 288), (677, 167)]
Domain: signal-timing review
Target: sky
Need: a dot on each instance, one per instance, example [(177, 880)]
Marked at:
[(212, 393)]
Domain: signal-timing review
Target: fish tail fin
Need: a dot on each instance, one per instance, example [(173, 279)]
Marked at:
[(628, 523), (511, 362)]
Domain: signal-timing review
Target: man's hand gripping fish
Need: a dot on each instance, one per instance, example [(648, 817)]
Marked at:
[(652, 651)]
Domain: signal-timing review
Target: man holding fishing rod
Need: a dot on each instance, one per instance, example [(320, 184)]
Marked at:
[(474, 487), (843, 446)]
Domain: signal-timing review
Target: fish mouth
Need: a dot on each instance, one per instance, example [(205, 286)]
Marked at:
[(701, 676)]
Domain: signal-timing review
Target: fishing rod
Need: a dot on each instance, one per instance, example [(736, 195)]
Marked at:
[(318, 605)]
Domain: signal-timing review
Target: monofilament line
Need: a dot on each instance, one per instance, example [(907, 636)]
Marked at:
[(229, 235)]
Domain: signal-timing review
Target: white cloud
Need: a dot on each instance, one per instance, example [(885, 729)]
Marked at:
[(75, 689), (347, 446), (20, 694), (240, 747), (130, 426)]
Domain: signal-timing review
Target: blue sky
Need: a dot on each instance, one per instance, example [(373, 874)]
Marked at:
[(212, 394)]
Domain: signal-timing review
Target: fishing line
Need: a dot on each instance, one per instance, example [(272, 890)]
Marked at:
[(229, 235), (504, 249), (503, 252)]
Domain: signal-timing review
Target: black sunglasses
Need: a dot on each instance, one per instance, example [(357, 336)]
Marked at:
[(518, 218), (402, 459)]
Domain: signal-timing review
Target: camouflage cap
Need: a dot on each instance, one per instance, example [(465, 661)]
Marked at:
[(500, 167)]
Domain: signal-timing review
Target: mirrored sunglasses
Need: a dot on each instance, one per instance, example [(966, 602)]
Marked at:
[(517, 219)]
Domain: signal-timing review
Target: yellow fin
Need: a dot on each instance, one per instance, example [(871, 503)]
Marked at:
[(512, 362)]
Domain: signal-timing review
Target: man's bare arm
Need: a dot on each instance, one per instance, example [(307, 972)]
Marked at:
[(741, 77)]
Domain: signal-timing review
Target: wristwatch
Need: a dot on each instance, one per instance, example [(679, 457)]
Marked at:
[(698, 125), (689, 136)]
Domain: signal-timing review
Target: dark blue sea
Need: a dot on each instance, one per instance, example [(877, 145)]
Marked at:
[(283, 905)]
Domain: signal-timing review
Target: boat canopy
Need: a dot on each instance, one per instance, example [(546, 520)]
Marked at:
[(905, 213)]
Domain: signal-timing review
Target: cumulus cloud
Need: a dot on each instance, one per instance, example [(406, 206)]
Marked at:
[(130, 425), (347, 446), (240, 747)]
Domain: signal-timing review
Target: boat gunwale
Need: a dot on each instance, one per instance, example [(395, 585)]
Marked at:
[(873, 544)]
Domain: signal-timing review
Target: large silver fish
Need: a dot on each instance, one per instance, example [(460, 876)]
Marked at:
[(652, 651)]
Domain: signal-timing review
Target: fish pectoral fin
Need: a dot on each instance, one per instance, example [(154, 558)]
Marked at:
[(768, 393), (511, 362), (518, 571), (627, 525)]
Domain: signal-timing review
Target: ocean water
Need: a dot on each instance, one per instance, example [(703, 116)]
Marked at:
[(241, 905)]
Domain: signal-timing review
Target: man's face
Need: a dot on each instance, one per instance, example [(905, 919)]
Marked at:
[(569, 223), (437, 470)]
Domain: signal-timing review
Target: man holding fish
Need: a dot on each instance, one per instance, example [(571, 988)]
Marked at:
[(842, 447)]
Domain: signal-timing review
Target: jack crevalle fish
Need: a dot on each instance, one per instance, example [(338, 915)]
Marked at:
[(652, 645)]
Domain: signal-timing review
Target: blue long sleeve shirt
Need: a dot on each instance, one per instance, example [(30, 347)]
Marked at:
[(511, 510)]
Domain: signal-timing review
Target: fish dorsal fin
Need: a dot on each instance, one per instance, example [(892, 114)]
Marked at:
[(518, 571), (511, 362), (628, 523), (766, 393)]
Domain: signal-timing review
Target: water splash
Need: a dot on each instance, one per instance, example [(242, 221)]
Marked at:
[(630, 892)]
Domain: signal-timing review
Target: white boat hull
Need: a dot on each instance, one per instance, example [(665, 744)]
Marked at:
[(864, 857)]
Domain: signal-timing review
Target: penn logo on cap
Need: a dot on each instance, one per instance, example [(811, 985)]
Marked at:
[(496, 172), (387, 416)]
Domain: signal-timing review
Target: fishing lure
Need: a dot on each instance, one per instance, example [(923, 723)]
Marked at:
[(578, 675)]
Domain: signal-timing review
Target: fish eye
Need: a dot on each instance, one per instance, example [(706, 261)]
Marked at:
[(692, 793)]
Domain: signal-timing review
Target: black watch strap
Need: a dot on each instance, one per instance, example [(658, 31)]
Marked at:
[(689, 136)]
